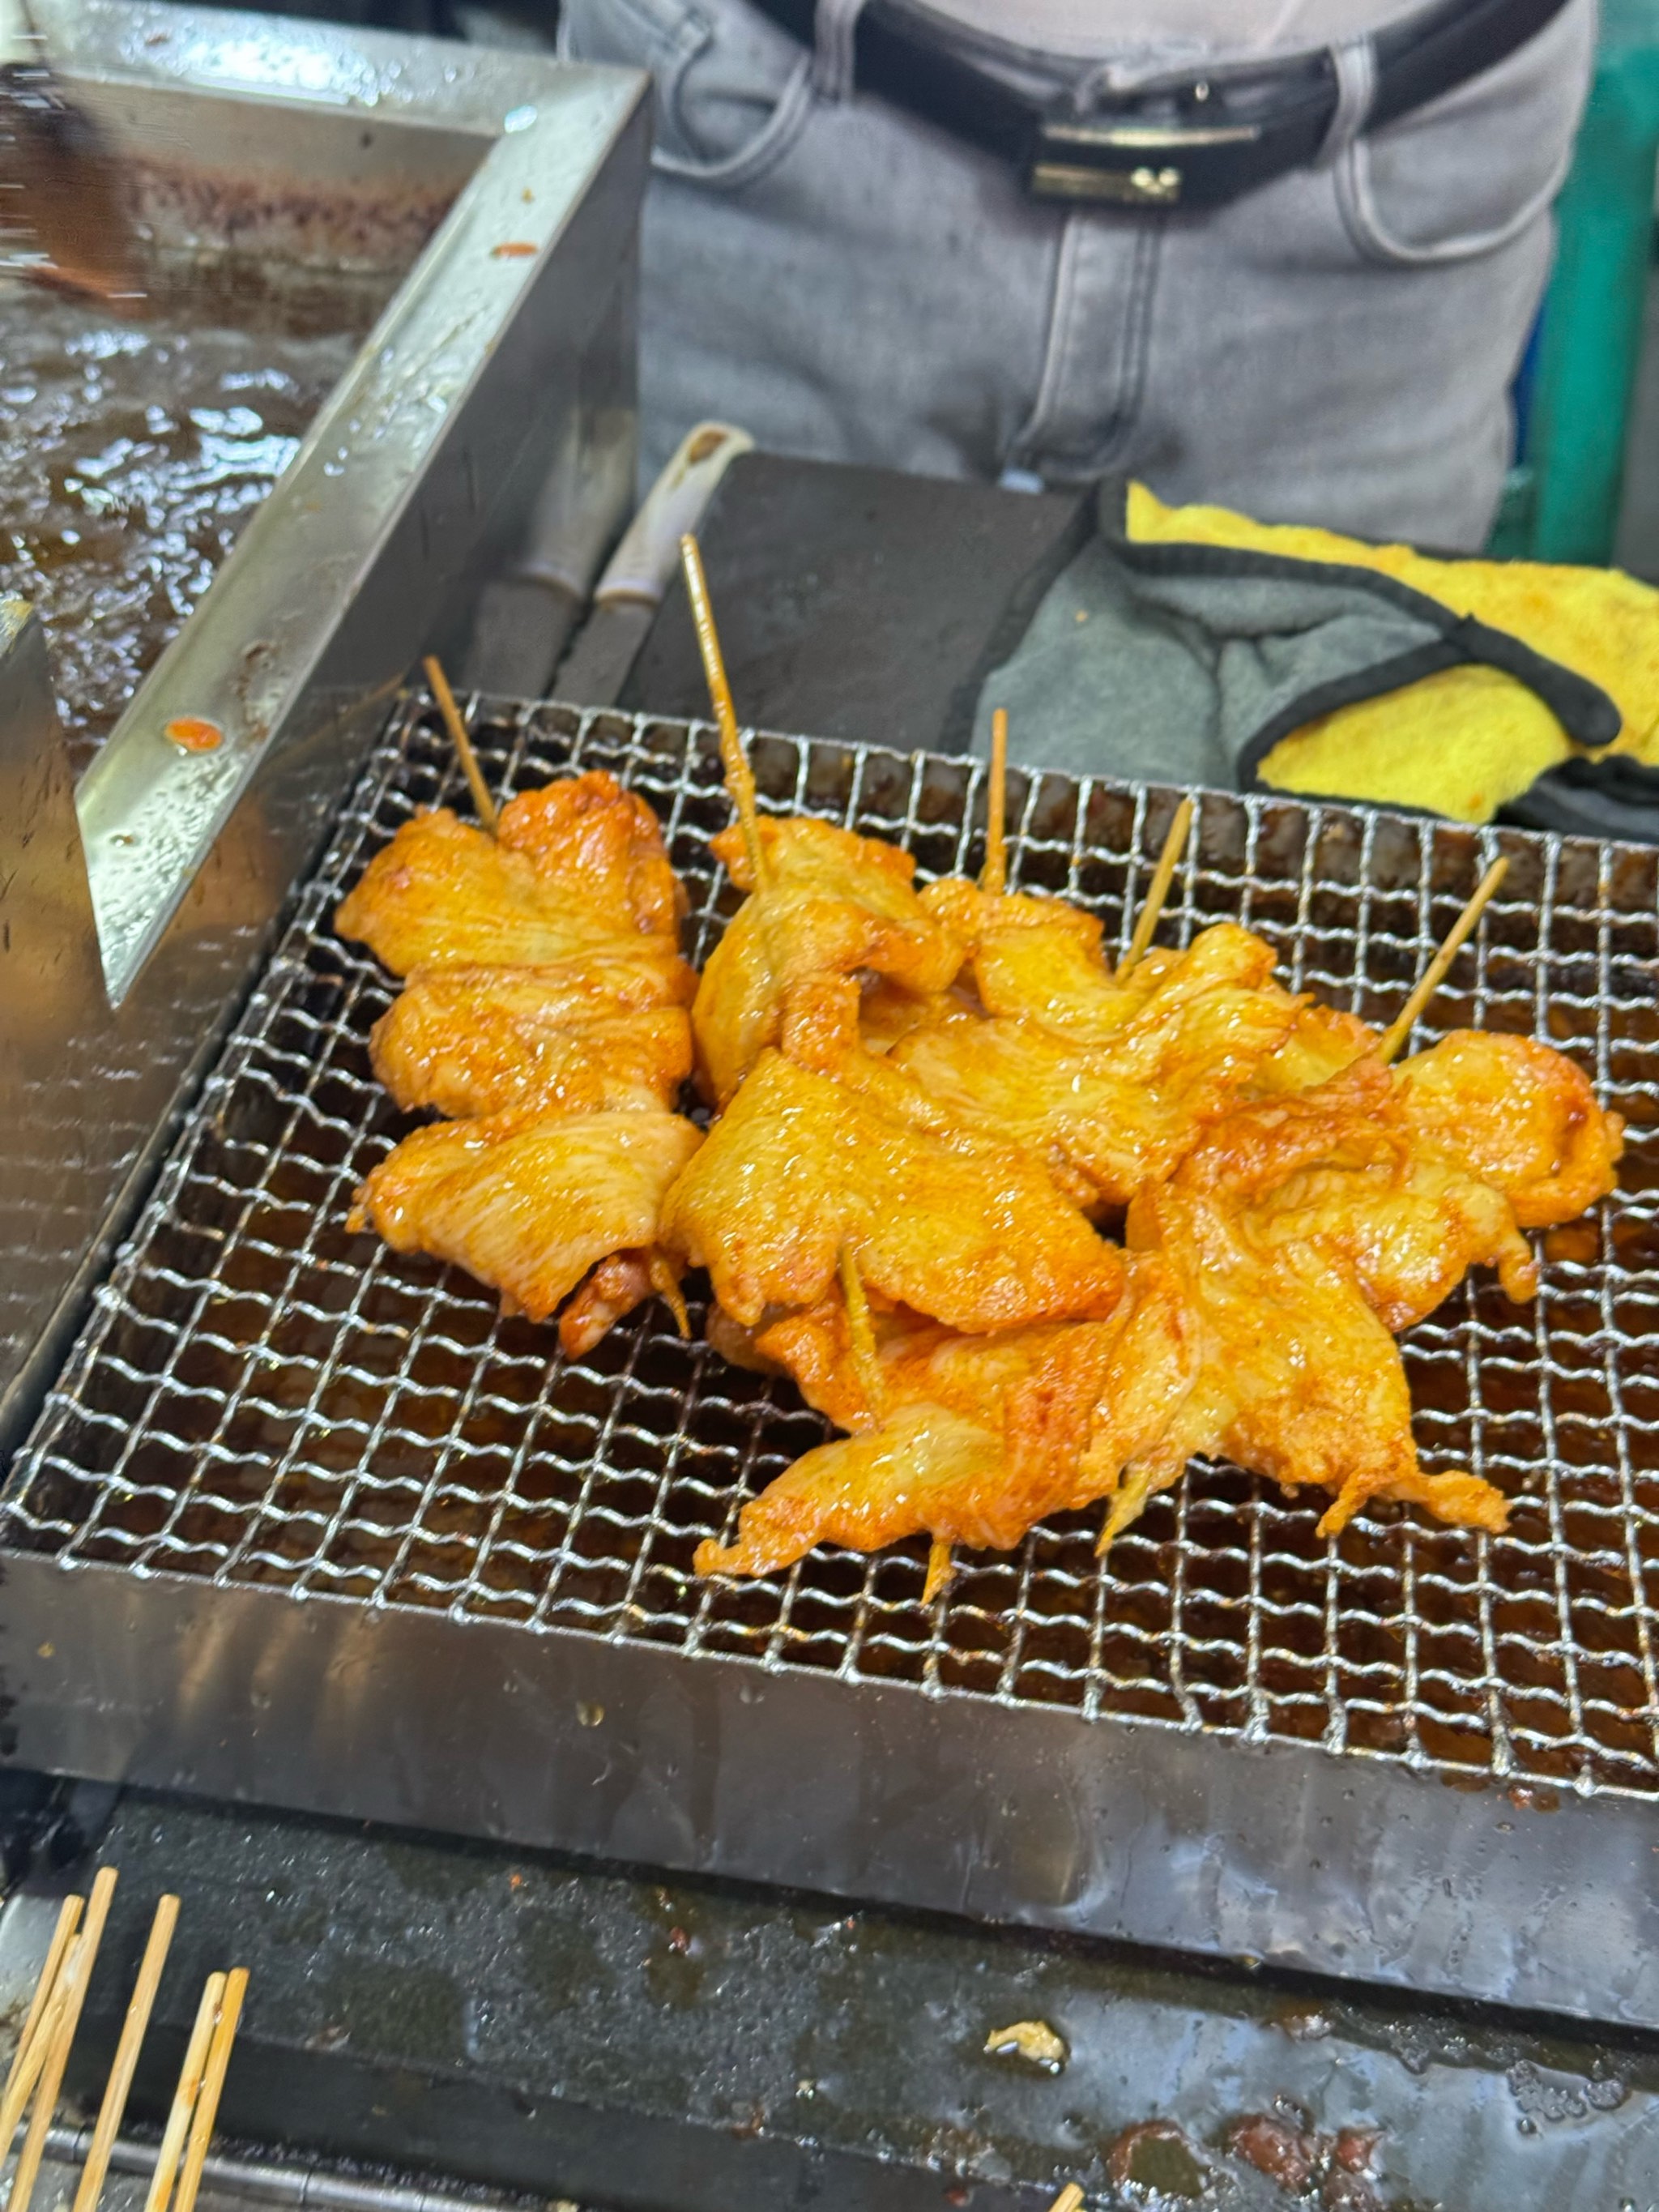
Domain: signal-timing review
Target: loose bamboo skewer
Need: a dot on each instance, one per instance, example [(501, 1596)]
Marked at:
[(1162, 876), (213, 2081), (65, 2017), (1070, 2199), (32, 2043), (462, 743), (185, 2096), (45, 2043), (739, 776), (994, 876), (127, 2055), (1400, 1028)]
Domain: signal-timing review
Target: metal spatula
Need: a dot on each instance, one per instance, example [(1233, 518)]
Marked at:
[(62, 220)]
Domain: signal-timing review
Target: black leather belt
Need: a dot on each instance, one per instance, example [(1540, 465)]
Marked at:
[(1192, 141)]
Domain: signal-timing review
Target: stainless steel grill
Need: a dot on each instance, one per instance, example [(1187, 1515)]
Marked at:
[(262, 1398)]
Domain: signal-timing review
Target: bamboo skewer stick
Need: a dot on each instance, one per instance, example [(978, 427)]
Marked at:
[(1162, 876), (994, 876), (1430, 982), (941, 1569), (462, 742), (185, 2096), (1070, 2199), (213, 2081), (65, 2018), (127, 2055), (14, 2097), (739, 776), (39, 2029)]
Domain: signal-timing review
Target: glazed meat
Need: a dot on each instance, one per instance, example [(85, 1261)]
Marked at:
[(1320, 1041), (1041, 960), (528, 1204), (953, 1223), (1264, 1279), (835, 904), (978, 1437), (582, 1037), (1300, 1230), (602, 847), (1519, 1115), (545, 1011), (617, 1285), (1109, 1104), (577, 869)]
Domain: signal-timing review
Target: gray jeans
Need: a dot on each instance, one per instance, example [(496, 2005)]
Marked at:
[(848, 283)]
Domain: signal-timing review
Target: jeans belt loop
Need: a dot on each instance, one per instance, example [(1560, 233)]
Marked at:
[(1354, 62), (834, 29)]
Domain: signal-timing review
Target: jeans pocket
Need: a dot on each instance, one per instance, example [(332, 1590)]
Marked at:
[(1474, 169), (733, 92)]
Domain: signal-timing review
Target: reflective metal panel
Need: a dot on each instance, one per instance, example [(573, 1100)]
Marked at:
[(495, 397)]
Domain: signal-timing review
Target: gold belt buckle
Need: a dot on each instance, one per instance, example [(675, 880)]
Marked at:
[(1124, 164)]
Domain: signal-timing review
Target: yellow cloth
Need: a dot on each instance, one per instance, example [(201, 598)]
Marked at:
[(1471, 737)]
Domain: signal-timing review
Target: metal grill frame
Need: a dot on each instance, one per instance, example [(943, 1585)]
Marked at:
[(478, 1570)]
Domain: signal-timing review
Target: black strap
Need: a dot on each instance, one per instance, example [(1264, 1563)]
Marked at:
[(1194, 141)]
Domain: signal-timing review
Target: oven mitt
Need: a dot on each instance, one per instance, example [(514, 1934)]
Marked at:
[(1190, 645)]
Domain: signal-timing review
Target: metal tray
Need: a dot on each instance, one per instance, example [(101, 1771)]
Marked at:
[(308, 1522)]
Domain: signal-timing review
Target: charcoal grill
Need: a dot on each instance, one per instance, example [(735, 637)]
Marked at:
[(308, 1522)]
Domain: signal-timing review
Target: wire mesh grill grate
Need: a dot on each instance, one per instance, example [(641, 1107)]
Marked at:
[(261, 1397)]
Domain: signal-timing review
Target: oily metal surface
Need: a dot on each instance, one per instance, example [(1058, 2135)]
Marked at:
[(134, 451), (263, 1398), (312, 161), (705, 2047)]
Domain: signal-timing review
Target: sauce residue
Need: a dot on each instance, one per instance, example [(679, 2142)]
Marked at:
[(513, 249), (1292, 2152), (1155, 2154), (195, 733)]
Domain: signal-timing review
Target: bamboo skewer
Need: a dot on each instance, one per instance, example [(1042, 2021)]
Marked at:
[(185, 2096), (65, 2017), (39, 2031), (1162, 876), (127, 2055), (1070, 2199), (213, 2081), (462, 744), (27, 2058), (739, 776), (941, 1569), (994, 876), (1429, 982)]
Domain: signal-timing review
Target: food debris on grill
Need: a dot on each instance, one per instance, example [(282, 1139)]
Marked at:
[(1033, 2041)]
